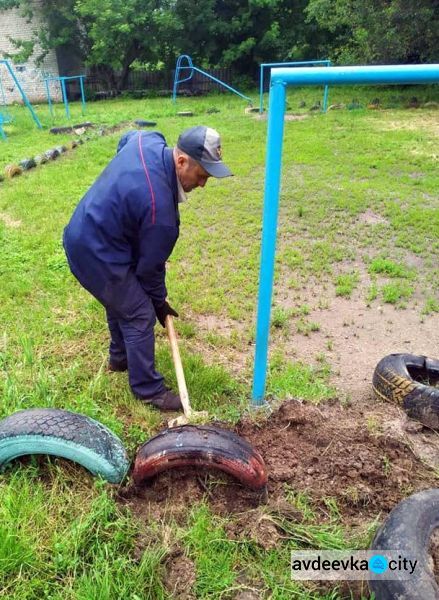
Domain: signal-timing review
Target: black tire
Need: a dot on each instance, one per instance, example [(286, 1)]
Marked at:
[(27, 163), (65, 434), (407, 531), (142, 123), (399, 378), (87, 124), (57, 130)]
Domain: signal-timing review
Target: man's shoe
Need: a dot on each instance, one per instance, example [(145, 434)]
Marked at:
[(165, 400), (114, 366)]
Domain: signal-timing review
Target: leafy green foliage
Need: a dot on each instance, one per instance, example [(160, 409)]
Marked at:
[(115, 35), (374, 32)]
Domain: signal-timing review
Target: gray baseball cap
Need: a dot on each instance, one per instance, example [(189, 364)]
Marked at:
[(203, 144)]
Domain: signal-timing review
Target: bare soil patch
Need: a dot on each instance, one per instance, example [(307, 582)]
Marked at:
[(287, 117), (9, 221), (354, 338), (371, 218), (343, 452), (418, 120)]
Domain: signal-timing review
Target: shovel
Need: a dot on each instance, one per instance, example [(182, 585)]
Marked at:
[(190, 416)]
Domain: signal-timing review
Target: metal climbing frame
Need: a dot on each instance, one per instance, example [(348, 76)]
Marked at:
[(301, 63), (62, 81), (280, 78), (189, 66), (3, 119)]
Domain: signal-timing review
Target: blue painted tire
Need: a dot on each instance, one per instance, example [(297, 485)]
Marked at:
[(407, 531), (68, 435)]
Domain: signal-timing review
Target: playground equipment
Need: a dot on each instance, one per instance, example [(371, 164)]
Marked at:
[(189, 66), (280, 79), (62, 81), (5, 116), (301, 63)]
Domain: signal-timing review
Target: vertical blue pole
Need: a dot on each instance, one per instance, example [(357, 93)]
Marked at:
[(269, 230), (81, 85), (49, 100), (326, 92), (261, 90), (176, 74), (325, 98), (64, 95)]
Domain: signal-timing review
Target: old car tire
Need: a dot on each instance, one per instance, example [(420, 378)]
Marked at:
[(66, 434), (407, 531), (200, 446), (143, 123), (12, 171), (28, 163), (399, 377)]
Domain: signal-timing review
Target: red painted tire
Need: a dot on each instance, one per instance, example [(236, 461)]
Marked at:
[(200, 446)]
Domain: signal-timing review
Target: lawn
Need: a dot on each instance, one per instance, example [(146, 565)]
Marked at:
[(358, 231)]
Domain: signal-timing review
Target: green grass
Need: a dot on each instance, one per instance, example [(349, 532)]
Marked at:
[(397, 291), (389, 268), (62, 535), (295, 380), (345, 284)]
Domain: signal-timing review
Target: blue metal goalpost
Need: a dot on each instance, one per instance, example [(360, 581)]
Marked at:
[(280, 79)]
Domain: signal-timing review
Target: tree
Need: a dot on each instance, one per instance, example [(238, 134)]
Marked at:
[(241, 33), (108, 34), (378, 31), (122, 31)]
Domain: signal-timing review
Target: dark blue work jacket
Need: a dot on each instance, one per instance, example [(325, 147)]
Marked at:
[(125, 227)]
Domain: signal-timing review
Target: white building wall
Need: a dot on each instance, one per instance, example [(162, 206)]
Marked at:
[(31, 77)]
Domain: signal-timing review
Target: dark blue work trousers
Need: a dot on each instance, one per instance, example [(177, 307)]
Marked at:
[(133, 340)]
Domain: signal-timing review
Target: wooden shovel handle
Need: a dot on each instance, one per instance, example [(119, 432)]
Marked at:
[(182, 389)]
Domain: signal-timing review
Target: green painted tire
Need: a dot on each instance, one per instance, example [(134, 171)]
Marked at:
[(68, 435)]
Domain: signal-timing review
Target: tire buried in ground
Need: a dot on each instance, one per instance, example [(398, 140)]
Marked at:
[(143, 123), (12, 171), (200, 446), (51, 154), (28, 163), (407, 532), (409, 380), (65, 434)]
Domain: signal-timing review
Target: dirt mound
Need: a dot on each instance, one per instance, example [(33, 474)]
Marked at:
[(326, 451), (336, 451)]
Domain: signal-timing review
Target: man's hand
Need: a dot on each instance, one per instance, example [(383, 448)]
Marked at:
[(163, 310)]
